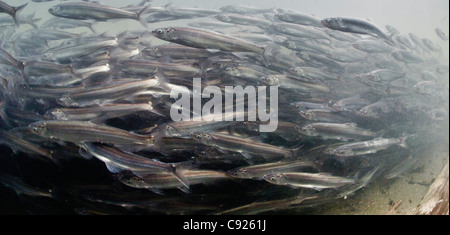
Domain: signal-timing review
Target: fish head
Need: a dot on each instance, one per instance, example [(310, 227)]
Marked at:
[(419, 88), (332, 23), (152, 51), (275, 178), (164, 33), (278, 27), (297, 71), (270, 80), (39, 128), (239, 173), (56, 114), (365, 112), (202, 137), (55, 10), (303, 55), (223, 17), (65, 100), (208, 152), (289, 44), (233, 71), (132, 181), (308, 130), (48, 56), (338, 106), (308, 115), (374, 77), (171, 131), (343, 151)]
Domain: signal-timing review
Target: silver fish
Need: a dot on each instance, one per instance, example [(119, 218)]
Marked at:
[(355, 25), (80, 132), (259, 170), (317, 181), (86, 11), (205, 39), (368, 147)]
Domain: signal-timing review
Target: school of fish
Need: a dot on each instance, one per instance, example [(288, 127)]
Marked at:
[(89, 113)]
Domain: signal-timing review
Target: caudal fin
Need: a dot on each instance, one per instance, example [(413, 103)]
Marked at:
[(16, 11), (142, 20), (403, 143)]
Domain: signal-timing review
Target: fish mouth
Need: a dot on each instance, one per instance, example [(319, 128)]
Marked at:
[(154, 33)]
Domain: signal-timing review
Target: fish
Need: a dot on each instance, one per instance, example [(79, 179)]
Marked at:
[(105, 94), (63, 23), (117, 161), (175, 51), (369, 147), (355, 25), (17, 143), (244, 146), (205, 39), (258, 171), (94, 11), (300, 31), (8, 59), (244, 9), (68, 53), (84, 131), (293, 83), (243, 20), (342, 132), (317, 181), (441, 34), (98, 113), (158, 181), (22, 188), (372, 46), (295, 17)]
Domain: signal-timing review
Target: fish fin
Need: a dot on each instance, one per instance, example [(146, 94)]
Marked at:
[(91, 27), (113, 168), (247, 156), (156, 191), (142, 20), (403, 143), (185, 189), (85, 154), (16, 11), (318, 189), (296, 152), (264, 58), (180, 177)]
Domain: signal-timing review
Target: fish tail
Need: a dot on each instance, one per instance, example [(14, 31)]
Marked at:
[(91, 27), (263, 55), (296, 152), (403, 143), (16, 11), (177, 170), (142, 20)]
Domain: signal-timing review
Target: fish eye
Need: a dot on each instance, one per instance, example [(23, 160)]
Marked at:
[(159, 31)]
